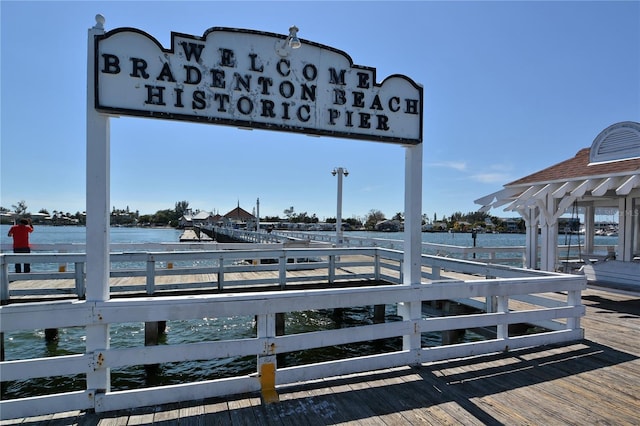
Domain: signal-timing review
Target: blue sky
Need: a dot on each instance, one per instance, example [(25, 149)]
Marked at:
[(509, 88)]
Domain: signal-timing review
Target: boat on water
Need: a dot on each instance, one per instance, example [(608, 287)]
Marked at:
[(390, 225)]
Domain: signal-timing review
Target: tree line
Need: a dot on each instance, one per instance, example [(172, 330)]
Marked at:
[(458, 221)]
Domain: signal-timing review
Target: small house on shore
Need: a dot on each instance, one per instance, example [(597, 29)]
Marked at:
[(190, 220)]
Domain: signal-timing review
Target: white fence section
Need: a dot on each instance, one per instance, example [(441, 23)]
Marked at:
[(64, 273), (548, 300), (505, 255)]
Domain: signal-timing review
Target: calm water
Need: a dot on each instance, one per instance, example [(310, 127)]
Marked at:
[(77, 234), (28, 344)]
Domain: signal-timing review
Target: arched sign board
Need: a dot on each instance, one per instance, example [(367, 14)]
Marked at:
[(253, 79), (246, 79)]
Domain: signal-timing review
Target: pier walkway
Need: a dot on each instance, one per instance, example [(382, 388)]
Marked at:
[(592, 381)]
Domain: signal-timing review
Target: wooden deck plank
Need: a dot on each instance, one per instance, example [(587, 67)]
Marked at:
[(242, 413), (297, 407), (216, 413), (367, 394)]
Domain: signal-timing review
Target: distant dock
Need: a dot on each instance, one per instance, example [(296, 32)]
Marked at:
[(191, 235)]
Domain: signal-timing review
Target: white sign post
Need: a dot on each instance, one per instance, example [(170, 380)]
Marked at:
[(97, 209)]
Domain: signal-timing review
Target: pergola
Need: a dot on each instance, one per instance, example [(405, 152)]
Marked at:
[(605, 176)]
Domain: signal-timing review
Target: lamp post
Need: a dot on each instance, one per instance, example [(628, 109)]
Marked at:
[(340, 171), (258, 215)]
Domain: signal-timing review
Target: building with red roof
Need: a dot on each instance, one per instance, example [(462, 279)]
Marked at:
[(604, 176)]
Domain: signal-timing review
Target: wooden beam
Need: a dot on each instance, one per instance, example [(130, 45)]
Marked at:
[(523, 198), (565, 188), (604, 186), (629, 184), (582, 188)]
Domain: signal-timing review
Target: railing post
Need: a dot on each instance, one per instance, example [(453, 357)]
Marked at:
[(376, 265), (220, 273), (412, 311), (4, 280), (574, 298), (502, 330), (151, 275), (452, 336), (491, 304), (80, 283), (283, 269), (435, 272), (267, 361), (332, 268)]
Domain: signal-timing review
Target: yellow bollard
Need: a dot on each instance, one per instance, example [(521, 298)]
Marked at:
[(268, 383), (169, 265), (62, 268)]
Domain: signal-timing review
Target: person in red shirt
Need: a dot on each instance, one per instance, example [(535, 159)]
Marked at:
[(20, 234)]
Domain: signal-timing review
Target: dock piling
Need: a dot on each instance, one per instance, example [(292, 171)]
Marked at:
[(450, 337)]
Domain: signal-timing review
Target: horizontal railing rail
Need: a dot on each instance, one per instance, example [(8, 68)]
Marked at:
[(553, 299)]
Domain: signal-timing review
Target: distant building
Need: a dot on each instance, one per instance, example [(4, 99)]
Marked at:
[(190, 220), (239, 218), (511, 225), (390, 225)]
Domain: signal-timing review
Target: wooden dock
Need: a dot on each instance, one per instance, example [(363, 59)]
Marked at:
[(592, 381)]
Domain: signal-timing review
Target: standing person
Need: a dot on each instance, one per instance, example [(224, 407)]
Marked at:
[(20, 234)]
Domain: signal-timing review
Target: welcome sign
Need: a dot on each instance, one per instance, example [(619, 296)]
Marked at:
[(252, 79)]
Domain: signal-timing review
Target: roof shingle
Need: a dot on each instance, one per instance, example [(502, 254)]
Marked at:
[(578, 167)]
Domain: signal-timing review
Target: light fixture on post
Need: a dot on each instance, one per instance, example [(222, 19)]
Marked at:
[(340, 171), (291, 42)]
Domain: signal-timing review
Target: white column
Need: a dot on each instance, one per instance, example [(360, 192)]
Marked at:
[(635, 218), (531, 218), (411, 266), (413, 215), (549, 236), (625, 229), (544, 243), (339, 209), (589, 228), (97, 209)]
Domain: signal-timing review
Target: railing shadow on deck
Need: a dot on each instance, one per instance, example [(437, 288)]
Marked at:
[(631, 307)]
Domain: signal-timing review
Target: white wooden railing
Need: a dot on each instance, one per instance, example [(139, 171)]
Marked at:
[(505, 255), (323, 265), (326, 265), (549, 300)]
